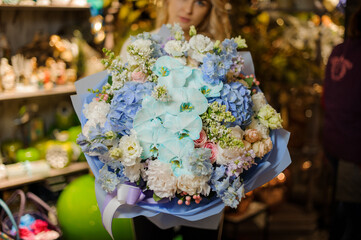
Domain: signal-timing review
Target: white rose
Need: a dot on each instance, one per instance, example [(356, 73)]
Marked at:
[(131, 150), (199, 46), (259, 100), (176, 48)]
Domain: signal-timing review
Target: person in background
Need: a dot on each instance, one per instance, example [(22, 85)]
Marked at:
[(342, 130), (210, 18)]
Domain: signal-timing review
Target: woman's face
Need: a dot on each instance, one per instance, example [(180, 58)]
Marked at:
[(187, 12)]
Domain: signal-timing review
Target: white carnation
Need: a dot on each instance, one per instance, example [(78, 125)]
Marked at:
[(97, 111), (131, 150), (161, 179), (176, 48), (193, 184), (259, 101), (199, 46), (133, 172), (256, 124)]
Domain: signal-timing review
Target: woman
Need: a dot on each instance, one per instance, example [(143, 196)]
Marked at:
[(210, 17)]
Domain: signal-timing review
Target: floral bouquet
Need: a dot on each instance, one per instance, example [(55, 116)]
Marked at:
[(178, 129)]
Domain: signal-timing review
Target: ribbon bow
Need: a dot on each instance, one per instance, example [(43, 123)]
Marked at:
[(124, 194)]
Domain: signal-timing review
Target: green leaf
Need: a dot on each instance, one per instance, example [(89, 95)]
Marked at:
[(110, 80), (156, 198), (249, 81)]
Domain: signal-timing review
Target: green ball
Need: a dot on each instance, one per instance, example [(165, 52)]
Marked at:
[(79, 214), (27, 154), (73, 133)]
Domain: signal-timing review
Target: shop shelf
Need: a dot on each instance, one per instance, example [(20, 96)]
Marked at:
[(21, 181), (62, 89), (49, 7)]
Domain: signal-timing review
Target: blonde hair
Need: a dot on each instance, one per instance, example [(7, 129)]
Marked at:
[(216, 25)]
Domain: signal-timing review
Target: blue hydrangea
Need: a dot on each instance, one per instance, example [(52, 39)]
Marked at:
[(229, 49), (95, 133), (230, 198), (97, 149), (238, 101), (198, 162), (215, 68), (114, 164), (229, 189), (108, 179), (125, 104), (83, 142)]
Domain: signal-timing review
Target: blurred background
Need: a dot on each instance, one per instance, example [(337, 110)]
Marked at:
[(45, 46)]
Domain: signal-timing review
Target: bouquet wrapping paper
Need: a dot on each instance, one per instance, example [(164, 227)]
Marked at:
[(128, 200)]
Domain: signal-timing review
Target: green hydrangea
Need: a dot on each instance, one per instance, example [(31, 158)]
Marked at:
[(269, 117)]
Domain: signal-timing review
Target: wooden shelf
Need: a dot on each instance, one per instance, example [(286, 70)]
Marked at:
[(64, 89), (16, 182), (49, 7)]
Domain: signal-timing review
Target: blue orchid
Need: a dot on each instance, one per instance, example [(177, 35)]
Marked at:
[(171, 72), (185, 124), (208, 90), (175, 152), (186, 100), (152, 135), (151, 110)]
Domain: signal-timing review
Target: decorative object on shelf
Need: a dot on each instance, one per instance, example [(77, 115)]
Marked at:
[(30, 124), (43, 2), (80, 3), (30, 223), (11, 2), (27, 154), (35, 168), (27, 2), (65, 116), (23, 70), (60, 2), (59, 154), (7, 75), (9, 149), (68, 139)]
